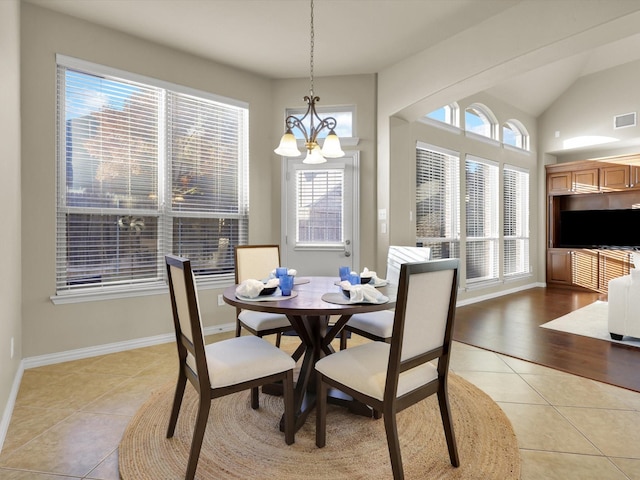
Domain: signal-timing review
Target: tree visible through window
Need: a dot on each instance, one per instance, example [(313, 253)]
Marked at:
[(144, 171)]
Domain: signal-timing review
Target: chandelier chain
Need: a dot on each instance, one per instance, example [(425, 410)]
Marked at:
[(312, 37)]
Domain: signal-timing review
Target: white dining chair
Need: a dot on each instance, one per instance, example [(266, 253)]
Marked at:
[(220, 368), (379, 325), (390, 377)]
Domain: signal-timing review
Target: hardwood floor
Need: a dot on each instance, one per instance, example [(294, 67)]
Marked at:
[(510, 325)]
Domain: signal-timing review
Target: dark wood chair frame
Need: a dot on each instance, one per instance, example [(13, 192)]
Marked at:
[(391, 404), (239, 325), (200, 377)]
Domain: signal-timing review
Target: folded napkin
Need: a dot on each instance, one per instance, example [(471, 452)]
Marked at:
[(363, 293), (250, 288), (291, 272), (374, 277)]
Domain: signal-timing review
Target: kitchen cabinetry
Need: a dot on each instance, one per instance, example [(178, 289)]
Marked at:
[(608, 184)]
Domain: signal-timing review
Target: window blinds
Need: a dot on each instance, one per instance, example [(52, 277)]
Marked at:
[(481, 179), (144, 171), (438, 201), (515, 220), (319, 206)]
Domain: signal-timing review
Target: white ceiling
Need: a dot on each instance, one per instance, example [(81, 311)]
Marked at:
[(271, 37)]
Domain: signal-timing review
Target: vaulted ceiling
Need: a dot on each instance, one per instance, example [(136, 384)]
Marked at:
[(271, 37)]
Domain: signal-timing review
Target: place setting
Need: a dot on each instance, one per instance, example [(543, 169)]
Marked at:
[(279, 286), (357, 288)]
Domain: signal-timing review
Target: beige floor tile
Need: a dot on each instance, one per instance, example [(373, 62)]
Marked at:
[(567, 466), (541, 427), (127, 363), (73, 391), (630, 466), (6, 474), (582, 392), (520, 366), (73, 447), (107, 469), (503, 387), (477, 361), (613, 432), (27, 423), (126, 398)]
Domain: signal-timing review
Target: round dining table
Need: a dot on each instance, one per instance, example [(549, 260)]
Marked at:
[(312, 303)]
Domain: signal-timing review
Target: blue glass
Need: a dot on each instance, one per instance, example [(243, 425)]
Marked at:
[(280, 271), (344, 273), (354, 278), (286, 284)]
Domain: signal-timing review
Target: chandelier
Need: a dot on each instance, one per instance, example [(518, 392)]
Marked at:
[(331, 147)]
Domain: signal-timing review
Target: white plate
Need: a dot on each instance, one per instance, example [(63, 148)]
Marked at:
[(276, 297)]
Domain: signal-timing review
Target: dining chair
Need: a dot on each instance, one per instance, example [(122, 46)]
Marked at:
[(390, 377), (220, 368), (257, 262), (378, 326)]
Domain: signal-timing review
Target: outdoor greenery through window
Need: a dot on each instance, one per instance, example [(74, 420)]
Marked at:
[(145, 169)]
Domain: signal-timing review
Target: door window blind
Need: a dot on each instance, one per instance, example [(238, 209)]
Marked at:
[(481, 179), (144, 171), (319, 206)]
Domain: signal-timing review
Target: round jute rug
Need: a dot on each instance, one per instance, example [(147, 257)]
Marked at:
[(241, 443)]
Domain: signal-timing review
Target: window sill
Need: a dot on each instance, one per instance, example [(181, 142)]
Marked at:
[(129, 292)]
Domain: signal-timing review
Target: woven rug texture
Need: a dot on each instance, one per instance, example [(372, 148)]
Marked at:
[(241, 443)]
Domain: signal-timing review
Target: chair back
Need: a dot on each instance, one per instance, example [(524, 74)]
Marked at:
[(423, 322), (398, 255), (256, 261), (186, 320)]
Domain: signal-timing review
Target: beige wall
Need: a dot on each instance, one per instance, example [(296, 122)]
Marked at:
[(588, 108), (49, 328), (10, 273), (356, 90)]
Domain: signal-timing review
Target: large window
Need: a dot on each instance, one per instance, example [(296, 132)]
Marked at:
[(515, 186), (479, 119), (481, 197), (438, 201), (145, 169)]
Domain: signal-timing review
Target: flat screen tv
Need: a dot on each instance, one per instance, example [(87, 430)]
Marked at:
[(599, 228)]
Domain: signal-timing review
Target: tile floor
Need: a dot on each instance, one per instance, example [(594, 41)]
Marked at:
[(69, 417)]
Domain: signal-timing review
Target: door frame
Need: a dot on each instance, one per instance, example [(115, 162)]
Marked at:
[(354, 155)]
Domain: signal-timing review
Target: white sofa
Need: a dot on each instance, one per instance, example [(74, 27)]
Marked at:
[(624, 303)]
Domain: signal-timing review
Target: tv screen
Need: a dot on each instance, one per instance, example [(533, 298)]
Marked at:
[(599, 228)]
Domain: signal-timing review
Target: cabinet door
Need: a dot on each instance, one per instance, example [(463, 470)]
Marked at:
[(584, 269), (615, 177), (634, 181), (559, 266), (559, 182), (585, 181), (613, 264)]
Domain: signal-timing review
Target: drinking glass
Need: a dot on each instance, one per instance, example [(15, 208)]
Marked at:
[(354, 278), (286, 284), (280, 271), (344, 273)]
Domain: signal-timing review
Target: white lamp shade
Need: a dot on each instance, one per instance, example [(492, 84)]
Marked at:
[(331, 147), (288, 146), (314, 156)]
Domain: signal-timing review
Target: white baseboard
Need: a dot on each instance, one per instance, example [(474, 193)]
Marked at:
[(8, 410), (501, 293)]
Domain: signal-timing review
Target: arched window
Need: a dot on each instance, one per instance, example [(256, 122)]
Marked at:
[(480, 120), (514, 134), (449, 114)]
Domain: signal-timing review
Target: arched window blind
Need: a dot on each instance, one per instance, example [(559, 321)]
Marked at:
[(145, 169)]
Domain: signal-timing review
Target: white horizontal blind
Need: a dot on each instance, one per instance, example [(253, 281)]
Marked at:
[(438, 201), (115, 222), (515, 221), (482, 220), (320, 207)]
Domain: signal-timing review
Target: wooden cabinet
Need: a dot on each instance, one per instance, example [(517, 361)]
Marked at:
[(559, 266), (612, 264), (579, 181), (615, 177), (559, 183)]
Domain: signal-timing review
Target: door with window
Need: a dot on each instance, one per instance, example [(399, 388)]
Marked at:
[(320, 215)]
